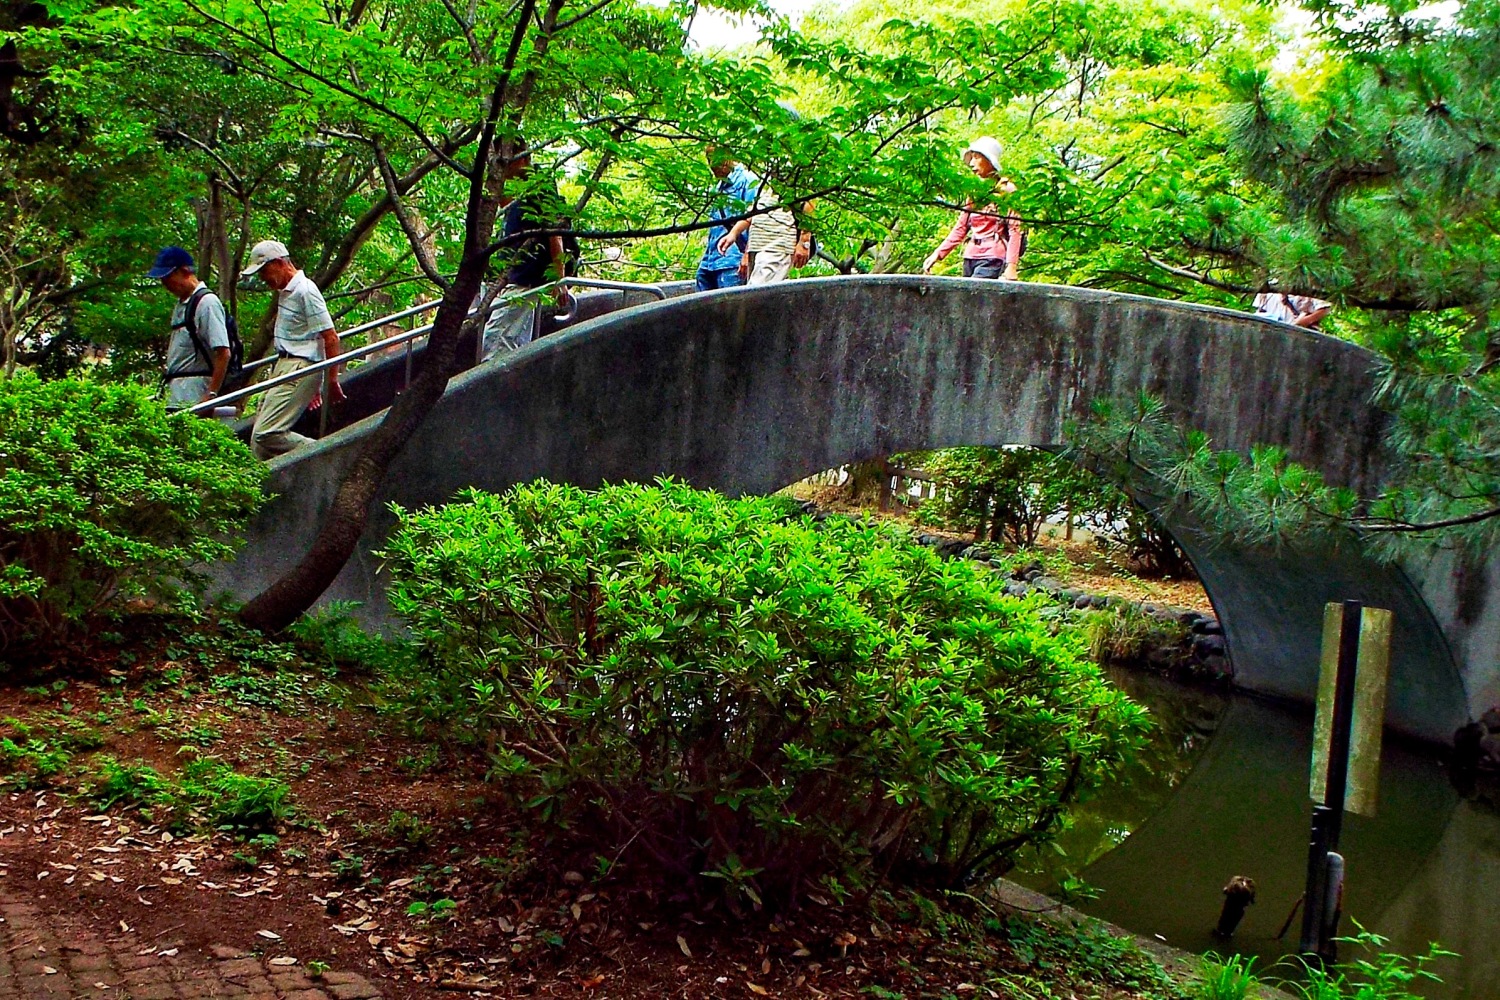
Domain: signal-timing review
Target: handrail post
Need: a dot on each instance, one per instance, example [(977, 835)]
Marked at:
[(483, 323), (327, 403)]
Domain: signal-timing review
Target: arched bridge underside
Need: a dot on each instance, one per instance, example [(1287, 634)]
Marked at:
[(747, 390)]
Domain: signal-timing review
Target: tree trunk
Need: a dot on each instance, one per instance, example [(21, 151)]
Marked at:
[(224, 271), (345, 521), (864, 480), (291, 595)]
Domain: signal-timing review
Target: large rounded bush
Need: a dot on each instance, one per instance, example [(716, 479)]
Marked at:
[(103, 494), (710, 687)]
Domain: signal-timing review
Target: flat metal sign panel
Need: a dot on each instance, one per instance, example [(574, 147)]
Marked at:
[(1369, 707)]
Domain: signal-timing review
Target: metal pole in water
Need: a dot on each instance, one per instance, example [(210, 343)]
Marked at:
[(1328, 817)]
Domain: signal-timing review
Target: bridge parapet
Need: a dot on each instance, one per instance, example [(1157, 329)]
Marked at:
[(747, 390)]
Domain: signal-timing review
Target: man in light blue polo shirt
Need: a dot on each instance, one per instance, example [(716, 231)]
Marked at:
[(720, 267), (304, 336), (198, 351)]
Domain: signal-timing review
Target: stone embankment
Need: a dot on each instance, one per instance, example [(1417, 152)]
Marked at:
[(1476, 759)]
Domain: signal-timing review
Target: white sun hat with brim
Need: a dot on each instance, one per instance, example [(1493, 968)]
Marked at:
[(262, 254), (988, 147)]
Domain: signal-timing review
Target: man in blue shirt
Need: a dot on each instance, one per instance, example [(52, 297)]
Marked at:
[(722, 258)]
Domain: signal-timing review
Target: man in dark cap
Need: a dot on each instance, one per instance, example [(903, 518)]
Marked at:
[(198, 351)]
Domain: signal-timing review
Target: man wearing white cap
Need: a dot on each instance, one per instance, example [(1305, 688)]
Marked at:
[(304, 336)]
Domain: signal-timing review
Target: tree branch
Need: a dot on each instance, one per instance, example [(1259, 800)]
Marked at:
[(408, 225), (1202, 279), (1389, 525), (274, 52), (596, 8)]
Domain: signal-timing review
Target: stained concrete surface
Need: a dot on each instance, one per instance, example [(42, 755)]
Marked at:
[(747, 390)]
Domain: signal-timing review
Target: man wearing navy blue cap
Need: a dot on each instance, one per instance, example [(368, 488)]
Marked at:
[(198, 351)]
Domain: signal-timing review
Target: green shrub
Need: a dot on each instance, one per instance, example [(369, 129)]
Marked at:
[(209, 791), (135, 785), (1126, 634), (1376, 975), (102, 494), (32, 764), (333, 635), (702, 685)]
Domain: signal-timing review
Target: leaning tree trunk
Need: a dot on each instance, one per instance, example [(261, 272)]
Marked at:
[(280, 604)]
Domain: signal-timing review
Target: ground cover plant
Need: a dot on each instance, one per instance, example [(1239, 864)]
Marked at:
[(103, 495), (269, 785), (742, 701)]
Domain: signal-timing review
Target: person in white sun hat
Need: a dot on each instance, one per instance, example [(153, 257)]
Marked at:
[(992, 236), (304, 336)]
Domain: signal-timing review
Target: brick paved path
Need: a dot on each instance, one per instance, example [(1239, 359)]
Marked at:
[(41, 958)]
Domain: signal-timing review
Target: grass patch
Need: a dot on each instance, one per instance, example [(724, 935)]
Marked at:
[(210, 793)]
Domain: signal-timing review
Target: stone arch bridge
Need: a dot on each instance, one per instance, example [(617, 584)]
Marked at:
[(748, 390)]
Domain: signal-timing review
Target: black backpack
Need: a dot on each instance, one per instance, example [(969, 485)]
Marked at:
[(572, 251), (234, 372), (1024, 234)]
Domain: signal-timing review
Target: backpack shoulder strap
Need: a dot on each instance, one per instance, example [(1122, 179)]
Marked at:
[(190, 323)]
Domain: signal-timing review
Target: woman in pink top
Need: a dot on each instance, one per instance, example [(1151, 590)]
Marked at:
[(991, 238)]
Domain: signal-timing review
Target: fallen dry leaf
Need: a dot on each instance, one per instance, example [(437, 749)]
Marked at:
[(269, 935), (682, 943)]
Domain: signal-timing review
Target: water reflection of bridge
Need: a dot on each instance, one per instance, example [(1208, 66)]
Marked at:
[(750, 389)]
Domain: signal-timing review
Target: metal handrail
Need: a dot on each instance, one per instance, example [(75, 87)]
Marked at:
[(207, 406), (623, 286), (373, 324)]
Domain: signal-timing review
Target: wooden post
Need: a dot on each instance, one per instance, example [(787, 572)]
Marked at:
[(1328, 817), (1238, 895)]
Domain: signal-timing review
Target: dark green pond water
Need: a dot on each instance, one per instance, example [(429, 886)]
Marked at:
[(1223, 792)]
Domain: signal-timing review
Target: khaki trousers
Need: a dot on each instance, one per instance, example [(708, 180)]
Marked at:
[(768, 266), (280, 408)]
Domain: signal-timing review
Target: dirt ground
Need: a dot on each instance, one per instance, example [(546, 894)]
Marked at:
[(394, 863)]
